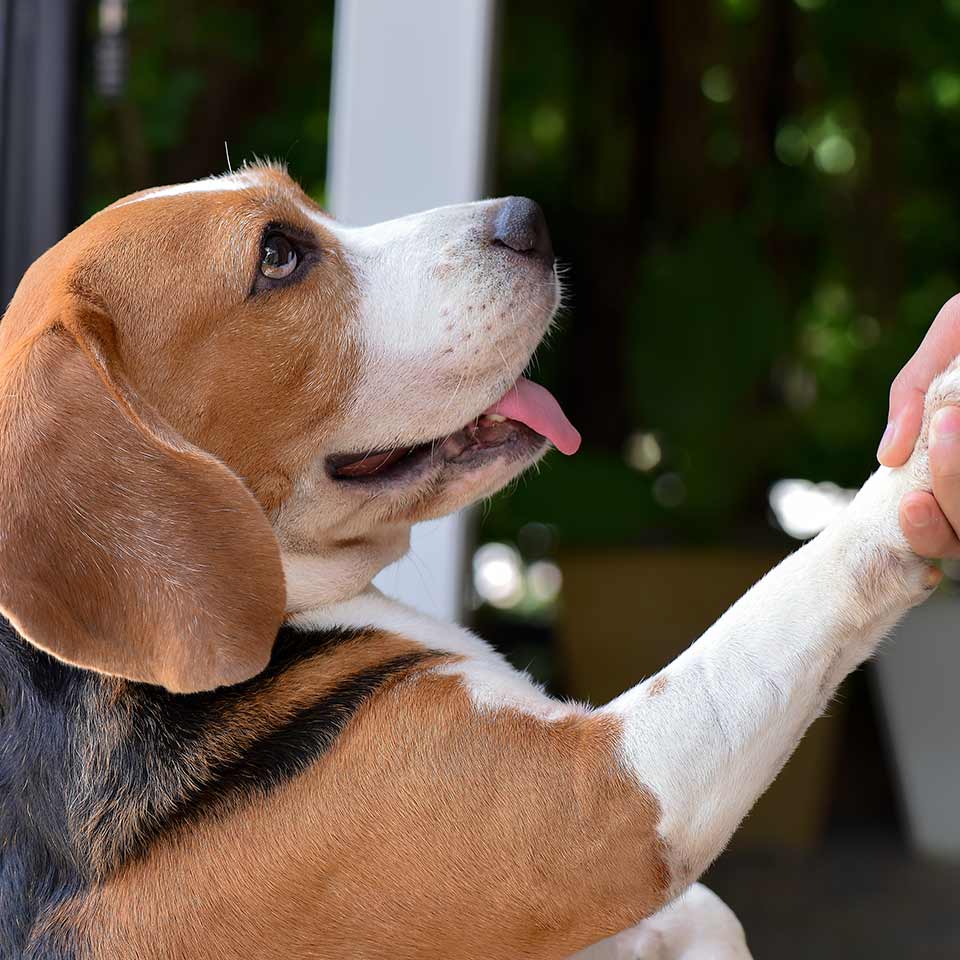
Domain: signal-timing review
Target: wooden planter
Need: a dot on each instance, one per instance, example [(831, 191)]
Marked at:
[(628, 613)]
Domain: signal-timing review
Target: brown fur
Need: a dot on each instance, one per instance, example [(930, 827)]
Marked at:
[(126, 483), (419, 836), (241, 722), (658, 685), (123, 526)]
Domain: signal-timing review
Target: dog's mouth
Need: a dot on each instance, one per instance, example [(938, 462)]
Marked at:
[(518, 424)]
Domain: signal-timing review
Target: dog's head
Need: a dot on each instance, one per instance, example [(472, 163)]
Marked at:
[(219, 405)]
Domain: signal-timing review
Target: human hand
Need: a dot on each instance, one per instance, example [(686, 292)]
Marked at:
[(929, 521)]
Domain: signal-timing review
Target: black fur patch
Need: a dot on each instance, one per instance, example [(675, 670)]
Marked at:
[(93, 770), (283, 752)]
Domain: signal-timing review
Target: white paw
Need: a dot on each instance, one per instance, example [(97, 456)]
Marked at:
[(944, 391), (883, 556), (915, 474)]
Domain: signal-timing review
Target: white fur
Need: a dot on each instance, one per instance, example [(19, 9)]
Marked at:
[(234, 181), (491, 682), (395, 263), (447, 321)]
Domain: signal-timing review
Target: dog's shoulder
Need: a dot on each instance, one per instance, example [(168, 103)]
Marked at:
[(96, 770), (491, 681)]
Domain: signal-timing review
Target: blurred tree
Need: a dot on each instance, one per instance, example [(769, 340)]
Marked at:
[(757, 202), (242, 72)]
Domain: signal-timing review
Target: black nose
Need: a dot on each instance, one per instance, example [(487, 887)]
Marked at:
[(519, 224)]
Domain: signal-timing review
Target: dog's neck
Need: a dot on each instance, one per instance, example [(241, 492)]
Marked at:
[(338, 570)]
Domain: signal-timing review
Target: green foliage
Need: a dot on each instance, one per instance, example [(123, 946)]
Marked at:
[(700, 356), (787, 176), (201, 74)]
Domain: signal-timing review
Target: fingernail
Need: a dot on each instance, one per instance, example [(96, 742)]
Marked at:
[(886, 441), (918, 515), (945, 426)]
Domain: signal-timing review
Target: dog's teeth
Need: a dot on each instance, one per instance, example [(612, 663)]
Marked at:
[(496, 417)]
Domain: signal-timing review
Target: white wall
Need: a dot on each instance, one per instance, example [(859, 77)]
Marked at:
[(409, 130)]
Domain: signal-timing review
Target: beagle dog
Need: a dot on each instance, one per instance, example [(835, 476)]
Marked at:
[(221, 413)]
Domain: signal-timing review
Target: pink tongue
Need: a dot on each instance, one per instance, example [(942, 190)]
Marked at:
[(536, 407)]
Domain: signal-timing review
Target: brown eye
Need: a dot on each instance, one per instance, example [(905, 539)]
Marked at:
[(279, 258)]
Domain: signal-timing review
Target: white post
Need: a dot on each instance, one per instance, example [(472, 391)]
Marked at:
[(409, 130)]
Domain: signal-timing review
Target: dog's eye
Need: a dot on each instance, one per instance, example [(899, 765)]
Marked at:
[(279, 258)]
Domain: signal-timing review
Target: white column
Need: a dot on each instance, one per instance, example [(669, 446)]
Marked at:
[(409, 130)]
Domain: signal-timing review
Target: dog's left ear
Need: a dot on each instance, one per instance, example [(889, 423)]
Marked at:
[(123, 547)]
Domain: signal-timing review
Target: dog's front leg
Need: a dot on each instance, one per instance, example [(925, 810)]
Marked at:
[(709, 733)]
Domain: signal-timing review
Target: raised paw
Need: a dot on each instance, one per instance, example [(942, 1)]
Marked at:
[(889, 571), (943, 391)]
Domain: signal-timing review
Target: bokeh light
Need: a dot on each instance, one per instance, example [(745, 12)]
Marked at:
[(803, 508)]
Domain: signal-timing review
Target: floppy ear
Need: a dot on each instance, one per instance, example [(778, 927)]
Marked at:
[(123, 548)]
